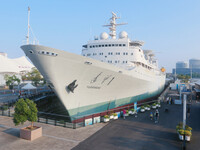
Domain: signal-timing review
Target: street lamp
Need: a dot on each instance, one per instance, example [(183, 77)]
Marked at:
[(184, 119)]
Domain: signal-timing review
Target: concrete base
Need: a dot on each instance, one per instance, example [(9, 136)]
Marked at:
[(30, 134)]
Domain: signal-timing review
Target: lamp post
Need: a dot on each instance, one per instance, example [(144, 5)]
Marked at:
[(184, 120)]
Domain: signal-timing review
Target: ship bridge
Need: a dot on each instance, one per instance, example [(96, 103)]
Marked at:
[(119, 51)]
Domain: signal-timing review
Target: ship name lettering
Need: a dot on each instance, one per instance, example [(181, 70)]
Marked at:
[(93, 87)]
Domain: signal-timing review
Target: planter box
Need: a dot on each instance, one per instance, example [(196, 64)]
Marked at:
[(148, 108), (154, 107), (142, 110), (106, 119), (180, 137), (115, 117), (130, 112), (30, 134), (133, 112), (111, 117), (187, 138), (126, 114)]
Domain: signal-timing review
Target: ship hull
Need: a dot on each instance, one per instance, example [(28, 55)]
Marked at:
[(98, 86)]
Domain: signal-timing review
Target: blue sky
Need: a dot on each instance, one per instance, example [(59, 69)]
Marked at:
[(169, 27)]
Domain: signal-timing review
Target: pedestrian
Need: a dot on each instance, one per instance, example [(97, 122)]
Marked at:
[(124, 113), (151, 115), (156, 114)]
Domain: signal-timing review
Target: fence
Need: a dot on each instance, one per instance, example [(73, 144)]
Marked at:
[(7, 109)]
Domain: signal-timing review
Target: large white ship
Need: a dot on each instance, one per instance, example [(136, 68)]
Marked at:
[(111, 72)]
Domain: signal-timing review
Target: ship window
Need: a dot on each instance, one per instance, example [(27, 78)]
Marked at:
[(106, 45), (115, 61), (113, 44), (109, 45), (42, 52), (124, 44), (102, 45), (131, 53), (52, 53), (88, 54), (139, 50), (116, 44), (47, 53), (111, 53), (120, 44), (85, 46), (93, 46), (99, 45), (90, 46), (126, 53), (83, 54), (31, 51)]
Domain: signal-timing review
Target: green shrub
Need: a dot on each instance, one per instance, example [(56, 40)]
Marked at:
[(188, 128), (132, 110), (188, 133), (154, 104), (106, 117), (181, 132), (114, 114), (142, 107)]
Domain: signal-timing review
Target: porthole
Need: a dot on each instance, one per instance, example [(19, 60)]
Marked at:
[(31, 51)]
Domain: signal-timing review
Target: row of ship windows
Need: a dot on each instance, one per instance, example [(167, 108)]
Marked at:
[(44, 53), (47, 53), (110, 53), (116, 61), (107, 45)]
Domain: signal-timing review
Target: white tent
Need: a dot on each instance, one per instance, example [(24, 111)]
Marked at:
[(28, 86)]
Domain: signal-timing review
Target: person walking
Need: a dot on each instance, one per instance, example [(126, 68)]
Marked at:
[(124, 113), (188, 111), (151, 115), (156, 114)]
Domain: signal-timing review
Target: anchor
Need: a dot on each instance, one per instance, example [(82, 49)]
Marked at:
[(72, 86)]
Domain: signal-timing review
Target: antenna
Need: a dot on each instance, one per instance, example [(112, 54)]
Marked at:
[(27, 37), (113, 25)]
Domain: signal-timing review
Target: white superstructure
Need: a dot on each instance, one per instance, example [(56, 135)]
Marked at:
[(110, 73)]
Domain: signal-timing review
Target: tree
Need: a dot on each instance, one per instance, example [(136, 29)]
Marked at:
[(11, 80), (33, 76), (184, 78), (25, 110)]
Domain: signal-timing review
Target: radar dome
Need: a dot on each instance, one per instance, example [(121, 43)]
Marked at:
[(104, 36), (123, 34)]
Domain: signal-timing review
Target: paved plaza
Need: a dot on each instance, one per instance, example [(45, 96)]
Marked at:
[(54, 137), (139, 133)]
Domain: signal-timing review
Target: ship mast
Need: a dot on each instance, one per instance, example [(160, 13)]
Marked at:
[(27, 37), (113, 25)]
